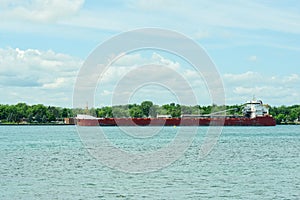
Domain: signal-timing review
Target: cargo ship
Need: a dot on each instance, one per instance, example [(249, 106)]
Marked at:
[(255, 113)]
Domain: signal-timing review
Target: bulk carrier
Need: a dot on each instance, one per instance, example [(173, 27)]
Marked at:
[(255, 113)]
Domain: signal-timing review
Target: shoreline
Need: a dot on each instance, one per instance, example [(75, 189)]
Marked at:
[(285, 124), (37, 124)]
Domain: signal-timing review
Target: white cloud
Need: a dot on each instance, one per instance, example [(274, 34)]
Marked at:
[(246, 77), (166, 62), (293, 78), (274, 90), (214, 20), (250, 90), (31, 61), (130, 60), (106, 93), (34, 76), (58, 82), (48, 77), (252, 58), (198, 18), (221, 24), (145, 74), (39, 10), (232, 14), (201, 34)]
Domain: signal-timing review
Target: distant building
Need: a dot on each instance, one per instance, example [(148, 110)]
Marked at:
[(69, 120)]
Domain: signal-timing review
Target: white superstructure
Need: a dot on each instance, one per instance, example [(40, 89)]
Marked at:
[(82, 116), (255, 108)]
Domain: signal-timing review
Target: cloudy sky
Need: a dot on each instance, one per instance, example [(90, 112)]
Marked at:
[(255, 46)]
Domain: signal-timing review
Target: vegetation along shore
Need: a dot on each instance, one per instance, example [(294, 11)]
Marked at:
[(24, 114)]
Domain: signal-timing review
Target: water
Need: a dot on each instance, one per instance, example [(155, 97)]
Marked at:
[(50, 162)]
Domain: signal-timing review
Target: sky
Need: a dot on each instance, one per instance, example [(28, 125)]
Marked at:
[(255, 46)]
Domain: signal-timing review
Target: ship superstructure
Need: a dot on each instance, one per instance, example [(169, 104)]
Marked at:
[(255, 108)]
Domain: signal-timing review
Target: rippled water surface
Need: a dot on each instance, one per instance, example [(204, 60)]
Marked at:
[(50, 162)]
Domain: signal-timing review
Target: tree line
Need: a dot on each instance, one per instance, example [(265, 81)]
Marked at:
[(50, 114), (148, 109), (286, 114), (33, 113)]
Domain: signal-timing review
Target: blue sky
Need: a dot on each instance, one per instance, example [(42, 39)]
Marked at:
[(254, 44)]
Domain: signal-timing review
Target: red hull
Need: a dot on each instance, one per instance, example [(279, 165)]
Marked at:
[(240, 121)]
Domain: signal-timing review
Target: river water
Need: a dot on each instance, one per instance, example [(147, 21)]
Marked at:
[(51, 162)]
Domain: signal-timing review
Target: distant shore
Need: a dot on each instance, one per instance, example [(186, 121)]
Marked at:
[(51, 124), (42, 124), (39, 114)]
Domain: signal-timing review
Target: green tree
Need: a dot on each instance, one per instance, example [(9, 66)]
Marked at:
[(30, 117), (39, 109), (44, 119), (280, 118), (92, 112), (186, 109), (172, 109), (176, 111), (120, 112), (38, 117), (105, 112), (146, 106), (51, 117), (12, 114), (3, 113), (21, 110), (153, 111), (65, 113), (52, 113), (294, 114), (136, 112)]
